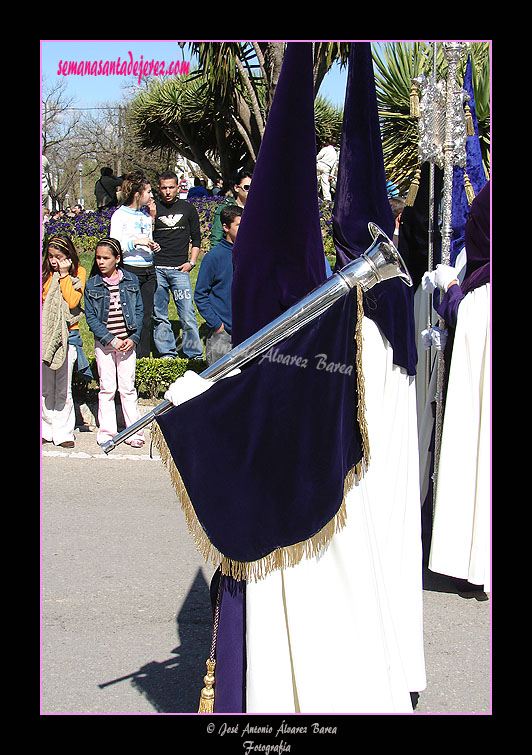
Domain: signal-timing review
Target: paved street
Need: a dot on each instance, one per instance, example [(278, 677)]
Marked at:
[(126, 618)]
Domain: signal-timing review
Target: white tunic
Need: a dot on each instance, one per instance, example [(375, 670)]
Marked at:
[(461, 524), (344, 633)]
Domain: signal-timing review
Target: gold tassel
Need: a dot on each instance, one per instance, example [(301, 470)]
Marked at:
[(412, 191), (469, 190), (415, 111), (206, 704), (470, 127)]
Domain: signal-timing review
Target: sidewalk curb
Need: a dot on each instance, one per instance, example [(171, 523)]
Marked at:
[(86, 414)]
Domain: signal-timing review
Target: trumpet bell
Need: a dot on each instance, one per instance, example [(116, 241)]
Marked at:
[(380, 262), (387, 260)]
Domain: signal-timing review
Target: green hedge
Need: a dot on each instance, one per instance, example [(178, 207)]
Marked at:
[(152, 376)]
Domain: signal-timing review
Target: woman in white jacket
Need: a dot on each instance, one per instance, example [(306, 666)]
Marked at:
[(133, 229)]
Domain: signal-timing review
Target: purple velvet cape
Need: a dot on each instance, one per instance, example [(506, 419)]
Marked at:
[(361, 197)]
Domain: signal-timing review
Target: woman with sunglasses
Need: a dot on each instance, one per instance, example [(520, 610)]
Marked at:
[(241, 186)]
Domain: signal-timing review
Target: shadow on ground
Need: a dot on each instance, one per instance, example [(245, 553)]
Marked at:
[(174, 685)]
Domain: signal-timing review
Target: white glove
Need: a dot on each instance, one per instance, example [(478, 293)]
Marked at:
[(190, 385), (439, 278), (426, 339), (427, 282), (434, 337), (444, 275), (186, 387)]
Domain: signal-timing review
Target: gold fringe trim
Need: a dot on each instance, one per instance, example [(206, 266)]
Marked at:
[(292, 554), (361, 408)]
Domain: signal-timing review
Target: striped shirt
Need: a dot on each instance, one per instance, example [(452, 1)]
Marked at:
[(115, 320)]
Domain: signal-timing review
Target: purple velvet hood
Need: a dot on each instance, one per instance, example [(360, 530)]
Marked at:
[(361, 197)]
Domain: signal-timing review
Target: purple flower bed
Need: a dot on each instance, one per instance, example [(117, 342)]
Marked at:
[(85, 224), (90, 226)]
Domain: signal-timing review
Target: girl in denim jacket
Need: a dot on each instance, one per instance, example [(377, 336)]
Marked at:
[(113, 311)]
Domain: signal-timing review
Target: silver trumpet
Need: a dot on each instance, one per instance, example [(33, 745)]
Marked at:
[(380, 262)]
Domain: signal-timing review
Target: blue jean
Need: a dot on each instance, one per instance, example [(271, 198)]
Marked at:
[(171, 279)]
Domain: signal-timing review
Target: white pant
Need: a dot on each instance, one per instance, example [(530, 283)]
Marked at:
[(116, 369), (324, 173), (58, 415)]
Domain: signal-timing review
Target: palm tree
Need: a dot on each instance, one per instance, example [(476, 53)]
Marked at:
[(178, 115), (242, 76), (215, 116), (396, 64)]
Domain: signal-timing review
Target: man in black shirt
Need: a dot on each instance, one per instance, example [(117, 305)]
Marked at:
[(176, 227)]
